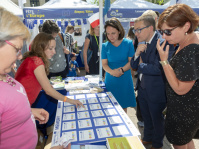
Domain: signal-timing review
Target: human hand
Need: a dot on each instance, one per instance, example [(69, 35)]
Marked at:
[(66, 51), (87, 68), (40, 115), (61, 147), (117, 72), (77, 103), (78, 71), (141, 48), (141, 61), (163, 54)]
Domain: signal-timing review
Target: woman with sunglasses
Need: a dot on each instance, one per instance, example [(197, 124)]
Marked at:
[(17, 124), (116, 55), (177, 24)]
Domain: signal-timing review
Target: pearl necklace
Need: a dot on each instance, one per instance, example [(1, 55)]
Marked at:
[(9, 80)]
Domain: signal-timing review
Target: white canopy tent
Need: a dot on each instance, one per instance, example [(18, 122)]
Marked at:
[(132, 8), (194, 4), (12, 7), (127, 10), (62, 10)]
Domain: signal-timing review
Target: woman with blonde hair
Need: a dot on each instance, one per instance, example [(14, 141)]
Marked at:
[(69, 41), (92, 43), (17, 124)]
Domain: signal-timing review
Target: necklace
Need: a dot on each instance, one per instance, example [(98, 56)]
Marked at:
[(9, 80)]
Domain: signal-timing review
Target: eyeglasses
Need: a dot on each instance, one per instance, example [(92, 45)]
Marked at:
[(14, 46), (167, 31), (139, 30)]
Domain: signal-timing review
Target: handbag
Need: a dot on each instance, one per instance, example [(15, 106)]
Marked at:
[(89, 53)]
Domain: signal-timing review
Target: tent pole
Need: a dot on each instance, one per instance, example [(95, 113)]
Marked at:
[(100, 37)]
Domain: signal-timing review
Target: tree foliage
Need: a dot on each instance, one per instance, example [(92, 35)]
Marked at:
[(97, 2), (159, 2)]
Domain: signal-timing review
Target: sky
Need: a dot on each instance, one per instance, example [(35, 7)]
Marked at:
[(89, 1)]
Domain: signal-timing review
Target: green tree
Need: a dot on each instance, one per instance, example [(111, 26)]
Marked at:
[(97, 1), (159, 2)]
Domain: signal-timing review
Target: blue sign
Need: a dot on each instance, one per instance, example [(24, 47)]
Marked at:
[(31, 13)]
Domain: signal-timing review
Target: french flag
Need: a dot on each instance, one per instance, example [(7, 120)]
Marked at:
[(94, 20)]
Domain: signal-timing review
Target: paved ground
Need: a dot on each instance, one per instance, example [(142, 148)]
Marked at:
[(167, 145)]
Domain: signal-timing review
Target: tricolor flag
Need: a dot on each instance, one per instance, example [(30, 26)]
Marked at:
[(94, 20)]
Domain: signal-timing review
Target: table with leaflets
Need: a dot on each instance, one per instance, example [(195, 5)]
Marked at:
[(100, 118)]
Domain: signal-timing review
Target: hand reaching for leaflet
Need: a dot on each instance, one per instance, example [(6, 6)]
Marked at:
[(77, 103)]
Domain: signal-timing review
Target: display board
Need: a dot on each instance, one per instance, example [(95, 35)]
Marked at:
[(101, 117)]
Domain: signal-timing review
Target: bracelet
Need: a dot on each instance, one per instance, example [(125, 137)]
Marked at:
[(122, 69), (65, 98), (163, 63)]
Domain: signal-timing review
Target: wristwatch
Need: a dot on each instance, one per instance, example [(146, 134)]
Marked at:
[(122, 69)]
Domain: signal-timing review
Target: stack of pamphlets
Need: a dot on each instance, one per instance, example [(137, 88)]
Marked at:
[(57, 82)]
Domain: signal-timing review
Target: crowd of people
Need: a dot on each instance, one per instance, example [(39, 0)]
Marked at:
[(162, 48)]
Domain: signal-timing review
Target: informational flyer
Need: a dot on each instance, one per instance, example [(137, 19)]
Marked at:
[(100, 118)]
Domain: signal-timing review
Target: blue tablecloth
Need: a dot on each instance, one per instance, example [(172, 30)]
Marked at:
[(49, 104)]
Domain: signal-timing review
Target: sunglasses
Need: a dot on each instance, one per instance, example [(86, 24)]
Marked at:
[(167, 31), (139, 30), (111, 21), (14, 46)]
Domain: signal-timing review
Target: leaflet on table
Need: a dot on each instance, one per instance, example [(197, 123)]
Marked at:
[(57, 126), (130, 142), (88, 147), (76, 86), (74, 78), (101, 117), (59, 85)]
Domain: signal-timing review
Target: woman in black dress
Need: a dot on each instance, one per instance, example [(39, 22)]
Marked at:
[(92, 43), (177, 24)]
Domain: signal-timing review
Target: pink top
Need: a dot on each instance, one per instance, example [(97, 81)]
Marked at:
[(17, 125), (25, 75)]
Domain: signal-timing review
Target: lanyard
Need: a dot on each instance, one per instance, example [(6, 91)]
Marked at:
[(97, 42), (98, 47)]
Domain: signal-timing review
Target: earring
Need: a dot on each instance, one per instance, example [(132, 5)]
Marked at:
[(186, 33)]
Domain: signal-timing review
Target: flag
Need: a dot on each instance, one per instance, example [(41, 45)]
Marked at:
[(21, 2), (94, 20)]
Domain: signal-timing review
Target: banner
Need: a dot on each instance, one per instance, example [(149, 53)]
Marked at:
[(33, 13)]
